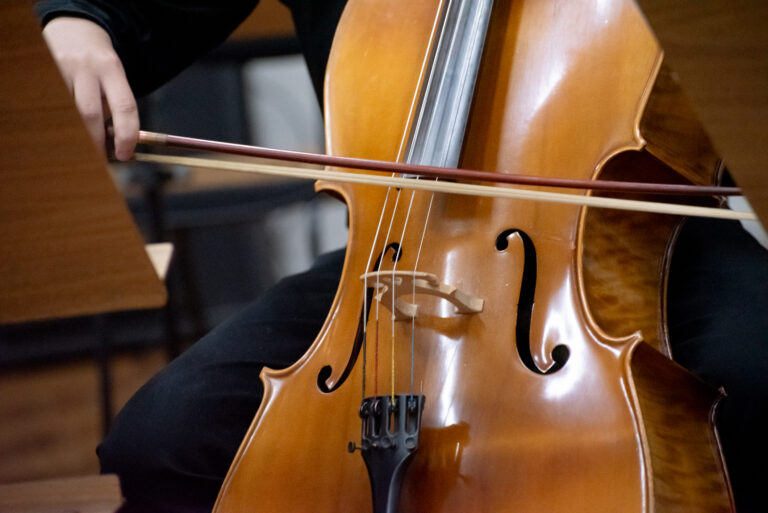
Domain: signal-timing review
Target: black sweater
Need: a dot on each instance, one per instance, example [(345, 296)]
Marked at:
[(156, 39)]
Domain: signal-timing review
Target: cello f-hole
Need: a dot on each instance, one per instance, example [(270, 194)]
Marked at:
[(560, 353), (327, 371)]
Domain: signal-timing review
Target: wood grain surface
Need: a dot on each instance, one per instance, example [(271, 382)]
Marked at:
[(51, 419), (719, 49), (87, 494), (69, 246)]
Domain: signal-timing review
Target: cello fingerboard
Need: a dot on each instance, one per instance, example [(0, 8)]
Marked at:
[(441, 117)]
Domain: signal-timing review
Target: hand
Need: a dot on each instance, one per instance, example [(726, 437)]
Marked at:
[(96, 78)]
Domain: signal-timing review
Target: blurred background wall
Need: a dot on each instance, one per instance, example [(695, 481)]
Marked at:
[(61, 382)]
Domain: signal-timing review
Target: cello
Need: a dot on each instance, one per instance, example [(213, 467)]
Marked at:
[(485, 354)]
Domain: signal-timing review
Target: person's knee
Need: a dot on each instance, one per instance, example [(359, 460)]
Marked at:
[(138, 438)]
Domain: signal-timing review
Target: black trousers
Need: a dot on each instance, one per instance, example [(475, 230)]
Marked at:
[(173, 442)]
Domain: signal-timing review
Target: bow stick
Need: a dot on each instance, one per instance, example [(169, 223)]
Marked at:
[(153, 138)]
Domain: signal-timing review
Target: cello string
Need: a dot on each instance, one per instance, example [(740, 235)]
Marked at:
[(365, 286), (414, 101), (378, 281), (373, 247), (426, 220), (403, 143), (413, 283), (376, 288), (427, 70), (398, 255), (394, 270)]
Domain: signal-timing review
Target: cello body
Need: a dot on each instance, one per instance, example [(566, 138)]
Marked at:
[(559, 395)]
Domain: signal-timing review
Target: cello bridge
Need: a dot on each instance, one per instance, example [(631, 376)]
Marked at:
[(402, 283)]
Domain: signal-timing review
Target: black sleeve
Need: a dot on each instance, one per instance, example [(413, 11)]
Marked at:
[(155, 39)]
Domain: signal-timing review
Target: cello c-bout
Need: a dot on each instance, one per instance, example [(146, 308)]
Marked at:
[(556, 395)]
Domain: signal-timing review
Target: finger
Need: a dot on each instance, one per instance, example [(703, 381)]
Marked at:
[(88, 100), (122, 106)]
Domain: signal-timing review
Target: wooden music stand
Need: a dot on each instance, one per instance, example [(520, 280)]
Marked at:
[(69, 246), (719, 49)]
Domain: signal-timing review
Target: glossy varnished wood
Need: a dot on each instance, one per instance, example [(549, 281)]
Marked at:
[(562, 90), (678, 413), (69, 246), (674, 133), (629, 251)]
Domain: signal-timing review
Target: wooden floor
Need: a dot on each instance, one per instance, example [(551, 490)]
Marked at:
[(50, 417)]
